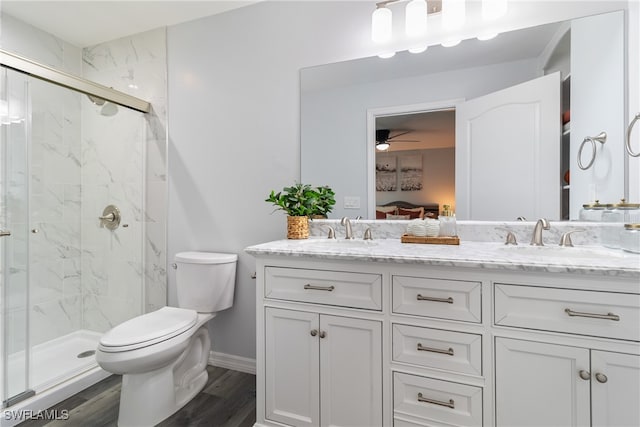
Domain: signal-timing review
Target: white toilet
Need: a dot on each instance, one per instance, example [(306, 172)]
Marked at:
[(163, 355)]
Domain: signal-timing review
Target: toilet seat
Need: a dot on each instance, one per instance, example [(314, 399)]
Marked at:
[(148, 329)]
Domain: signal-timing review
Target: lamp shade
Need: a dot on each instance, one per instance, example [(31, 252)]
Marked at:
[(493, 9), (453, 14), (381, 22), (416, 18)]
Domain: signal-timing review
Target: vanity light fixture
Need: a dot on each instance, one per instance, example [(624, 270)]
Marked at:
[(487, 36), (453, 14), (451, 43), (381, 24), (416, 18), (493, 9), (386, 55)]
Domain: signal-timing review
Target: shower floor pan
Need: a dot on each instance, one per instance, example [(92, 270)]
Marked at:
[(55, 361)]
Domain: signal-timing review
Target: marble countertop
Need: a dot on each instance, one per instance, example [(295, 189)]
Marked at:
[(486, 255)]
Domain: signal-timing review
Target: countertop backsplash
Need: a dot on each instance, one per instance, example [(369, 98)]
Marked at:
[(472, 231)]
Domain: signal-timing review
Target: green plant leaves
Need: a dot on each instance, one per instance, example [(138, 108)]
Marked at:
[(303, 200)]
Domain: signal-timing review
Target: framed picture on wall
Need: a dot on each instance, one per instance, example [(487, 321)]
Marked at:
[(386, 173), (411, 172)]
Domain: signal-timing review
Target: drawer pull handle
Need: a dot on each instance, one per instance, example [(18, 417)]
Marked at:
[(435, 350), (320, 288), (585, 375), (447, 300), (601, 378), (608, 316), (449, 404)]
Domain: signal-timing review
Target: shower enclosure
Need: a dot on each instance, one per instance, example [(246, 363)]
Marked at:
[(68, 149)]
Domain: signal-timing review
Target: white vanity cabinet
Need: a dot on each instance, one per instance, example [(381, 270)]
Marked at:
[(322, 369), (544, 384), (358, 342)]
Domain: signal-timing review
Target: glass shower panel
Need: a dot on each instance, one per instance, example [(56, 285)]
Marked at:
[(14, 253)]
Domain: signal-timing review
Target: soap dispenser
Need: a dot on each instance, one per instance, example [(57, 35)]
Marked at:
[(447, 222)]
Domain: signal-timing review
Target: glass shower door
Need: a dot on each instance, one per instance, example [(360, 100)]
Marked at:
[(14, 254)]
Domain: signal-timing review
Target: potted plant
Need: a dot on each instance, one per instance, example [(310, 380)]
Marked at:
[(301, 202)]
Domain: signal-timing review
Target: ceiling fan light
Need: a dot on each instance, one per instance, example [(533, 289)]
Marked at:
[(493, 9), (453, 14), (382, 145), (381, 23), (416, 18)]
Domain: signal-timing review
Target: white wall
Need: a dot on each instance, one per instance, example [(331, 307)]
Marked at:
[(234, 124)]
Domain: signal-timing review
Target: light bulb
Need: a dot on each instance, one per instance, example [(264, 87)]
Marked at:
[(418, 49), (493, 9), (451, 43), (416, 18), (488, 36), (382, 146), (381, 22), (453, 14), (386, 55)]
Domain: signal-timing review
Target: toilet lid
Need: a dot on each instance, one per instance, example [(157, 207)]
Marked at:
[(150, 328)]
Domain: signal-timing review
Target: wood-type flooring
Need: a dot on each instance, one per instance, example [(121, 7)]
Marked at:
[(227, 400)]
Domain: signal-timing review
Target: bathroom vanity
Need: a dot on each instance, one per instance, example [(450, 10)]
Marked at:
[(359, 333)]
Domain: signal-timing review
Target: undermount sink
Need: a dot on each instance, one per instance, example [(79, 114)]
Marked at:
[(339, 243), (563, 251)]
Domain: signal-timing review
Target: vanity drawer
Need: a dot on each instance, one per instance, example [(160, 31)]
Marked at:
[(440, 298), (436, 348), (601, 314), (436, 401), (346, 289)]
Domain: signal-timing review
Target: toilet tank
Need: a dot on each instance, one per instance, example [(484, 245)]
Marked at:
[(205, 281)]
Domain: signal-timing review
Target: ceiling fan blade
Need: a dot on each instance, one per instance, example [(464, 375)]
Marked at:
[(399, 134)]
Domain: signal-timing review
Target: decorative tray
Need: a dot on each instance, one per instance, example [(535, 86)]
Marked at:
[(454, 240)]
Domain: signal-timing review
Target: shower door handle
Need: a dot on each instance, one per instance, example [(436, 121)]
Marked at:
[(5, 233)]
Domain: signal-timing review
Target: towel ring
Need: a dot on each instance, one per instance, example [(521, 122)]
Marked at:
[(601, 138), (628, 140)]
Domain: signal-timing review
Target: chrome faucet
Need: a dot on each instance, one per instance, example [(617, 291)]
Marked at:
[(347, 227), (536, 239)]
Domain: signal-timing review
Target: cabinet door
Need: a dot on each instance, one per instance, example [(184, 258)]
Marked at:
[(350, 372), (291, 365), (539, 384), (615, 389)]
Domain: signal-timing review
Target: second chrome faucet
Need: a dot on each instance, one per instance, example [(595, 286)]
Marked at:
[(536, 239)]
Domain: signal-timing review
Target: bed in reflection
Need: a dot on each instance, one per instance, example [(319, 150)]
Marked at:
[(404, 210)]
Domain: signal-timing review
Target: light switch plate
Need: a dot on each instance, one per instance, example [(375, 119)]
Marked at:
[(352, 202)]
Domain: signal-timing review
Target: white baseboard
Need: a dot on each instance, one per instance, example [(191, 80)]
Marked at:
[(230, 361)]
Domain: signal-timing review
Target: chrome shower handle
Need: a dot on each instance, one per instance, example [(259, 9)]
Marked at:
[(109, 217)]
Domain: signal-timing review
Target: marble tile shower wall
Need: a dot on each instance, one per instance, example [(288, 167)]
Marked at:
[(114, 264), (83, 277)]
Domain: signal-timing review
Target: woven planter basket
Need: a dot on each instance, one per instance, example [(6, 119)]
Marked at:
[(297, 227)]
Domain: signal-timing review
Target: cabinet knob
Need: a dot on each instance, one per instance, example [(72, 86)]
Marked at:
[(601, 378), (323, 334), (314, 332), (585, 375)]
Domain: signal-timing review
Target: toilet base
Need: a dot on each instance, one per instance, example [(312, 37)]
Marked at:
[(148, 398)]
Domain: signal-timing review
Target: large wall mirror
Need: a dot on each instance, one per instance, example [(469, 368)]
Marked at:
[(492, 128)]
